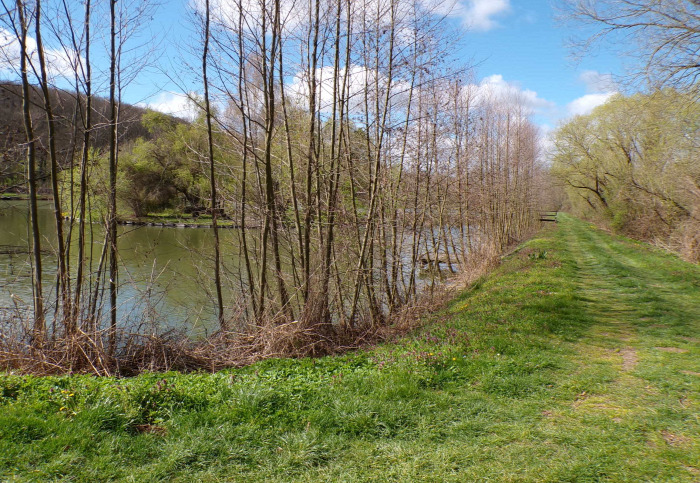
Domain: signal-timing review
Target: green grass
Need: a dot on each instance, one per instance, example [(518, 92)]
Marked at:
[(578, 359)]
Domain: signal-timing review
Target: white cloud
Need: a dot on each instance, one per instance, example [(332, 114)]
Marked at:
[(495, 86), (475, 14), (442, 7), (598, 83), (59, 63), (174, 103), (358, 78), (479, 14), (226, 12), (585, 104), (599, 88), (546, 140)]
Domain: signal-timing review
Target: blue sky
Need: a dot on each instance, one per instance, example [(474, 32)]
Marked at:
[(526, 45), (514, 44), (517, 43)]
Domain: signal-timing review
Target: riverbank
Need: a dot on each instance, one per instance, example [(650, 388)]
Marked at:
[(21, 197), (177, 222), (169, 220), (576, 360)]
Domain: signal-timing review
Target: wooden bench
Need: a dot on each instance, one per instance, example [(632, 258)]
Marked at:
[(548, 216)]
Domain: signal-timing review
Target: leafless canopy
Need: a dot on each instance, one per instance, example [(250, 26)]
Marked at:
[(663, 35)]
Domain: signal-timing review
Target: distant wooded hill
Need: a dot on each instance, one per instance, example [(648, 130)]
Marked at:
[(69, 130)]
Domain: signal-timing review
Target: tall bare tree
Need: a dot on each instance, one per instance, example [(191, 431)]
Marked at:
[(212, 171), (63, 275), (19, 20)]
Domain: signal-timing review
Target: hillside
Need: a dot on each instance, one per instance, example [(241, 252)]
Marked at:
[(12, 135), (578, 359)]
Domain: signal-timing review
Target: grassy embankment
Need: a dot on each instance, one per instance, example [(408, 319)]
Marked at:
[(577, 360)]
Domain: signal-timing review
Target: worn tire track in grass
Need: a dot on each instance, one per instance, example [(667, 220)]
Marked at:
[(644, 306), (636, 291)]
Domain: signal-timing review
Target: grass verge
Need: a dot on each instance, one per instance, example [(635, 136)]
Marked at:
[(578, 359)]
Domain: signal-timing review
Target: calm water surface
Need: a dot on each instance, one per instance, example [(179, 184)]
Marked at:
[(165, 273)]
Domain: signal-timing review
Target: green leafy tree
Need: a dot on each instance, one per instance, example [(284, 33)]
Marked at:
[(166, 171), (633, 160)]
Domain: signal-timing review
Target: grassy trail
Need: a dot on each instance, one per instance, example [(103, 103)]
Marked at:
[(644, 311), (578, 359)]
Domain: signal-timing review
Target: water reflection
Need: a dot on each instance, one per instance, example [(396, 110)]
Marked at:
[(164, 272)]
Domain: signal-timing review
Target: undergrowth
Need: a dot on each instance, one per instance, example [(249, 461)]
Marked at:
[(575, 360)]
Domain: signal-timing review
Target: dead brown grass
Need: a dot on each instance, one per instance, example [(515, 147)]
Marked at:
[(171, 350), (674, 439), (148, 350), (629, 359)]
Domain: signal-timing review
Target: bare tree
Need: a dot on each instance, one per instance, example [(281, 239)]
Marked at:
[(63, 276), (212, 178), (18, 19), (664, 35)]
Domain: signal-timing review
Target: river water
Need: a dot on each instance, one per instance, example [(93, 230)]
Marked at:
[(165, 273)]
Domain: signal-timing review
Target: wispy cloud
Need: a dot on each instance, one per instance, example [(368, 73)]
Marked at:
[(480, 14), (599, 87), (475, 14), (597, 82), (496, 86), (174, 103), (585, 104), (59, 63)]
